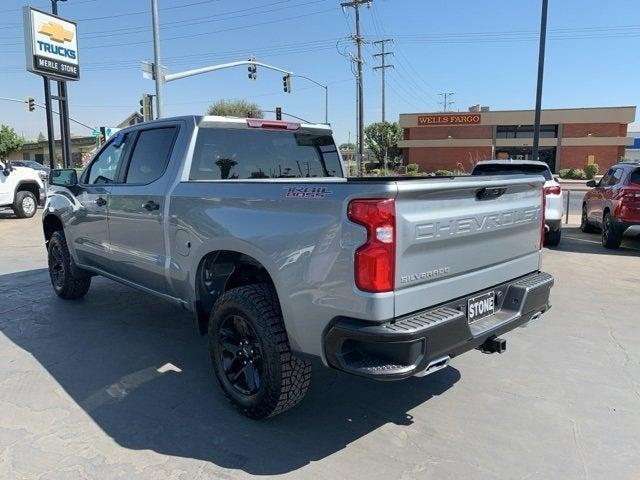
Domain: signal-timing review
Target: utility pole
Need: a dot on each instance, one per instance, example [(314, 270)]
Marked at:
[(156, 57), (383, 66), (446, 103), (356, 4), (536, 122)]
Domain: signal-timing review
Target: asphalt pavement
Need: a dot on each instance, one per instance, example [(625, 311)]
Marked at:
[(118, 386)]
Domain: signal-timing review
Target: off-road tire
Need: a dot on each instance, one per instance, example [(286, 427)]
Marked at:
[(18, 207), (611, 235), (285, 378), (552, 239), (585, 226), (64, 278)]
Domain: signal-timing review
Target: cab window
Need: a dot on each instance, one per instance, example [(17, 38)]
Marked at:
[(150, 155), (104, 168)]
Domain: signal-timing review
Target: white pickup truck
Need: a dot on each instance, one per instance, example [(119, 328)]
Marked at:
[(21, 189)]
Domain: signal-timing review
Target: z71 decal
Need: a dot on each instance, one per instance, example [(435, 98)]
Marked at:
[(307, 192)]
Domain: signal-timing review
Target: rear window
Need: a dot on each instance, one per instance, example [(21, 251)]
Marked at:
[(635, 177), (240, 154), (514, 169)]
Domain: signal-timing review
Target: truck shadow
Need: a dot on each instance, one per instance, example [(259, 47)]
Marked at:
[(140, 370), (574, 240)]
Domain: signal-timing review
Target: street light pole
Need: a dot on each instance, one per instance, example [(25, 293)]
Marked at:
[(326, 96), (536, 122), (156, 58)]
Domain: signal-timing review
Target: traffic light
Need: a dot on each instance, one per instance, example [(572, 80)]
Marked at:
[(146, 107), (286, 83), (32, 104), (278, 113), (253, 70)]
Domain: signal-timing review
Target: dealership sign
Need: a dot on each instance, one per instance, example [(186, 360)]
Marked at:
[(51, 45), (449, 119)]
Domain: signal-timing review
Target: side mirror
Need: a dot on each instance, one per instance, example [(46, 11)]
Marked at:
[(6, 168), (556, 178), (592, 183), (63, 177)]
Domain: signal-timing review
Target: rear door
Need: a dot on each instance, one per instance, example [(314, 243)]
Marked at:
[(137, 206), (462, 235)]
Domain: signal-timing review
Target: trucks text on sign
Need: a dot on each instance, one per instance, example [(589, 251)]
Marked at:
[(51, 45), (449, 119)]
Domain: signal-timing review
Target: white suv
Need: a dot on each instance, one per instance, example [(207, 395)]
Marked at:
[(553, 193)]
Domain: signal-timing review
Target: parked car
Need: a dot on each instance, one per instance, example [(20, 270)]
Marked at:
[(252, 226), (554, 207), (21, 189), (42, 170), (613, 204)]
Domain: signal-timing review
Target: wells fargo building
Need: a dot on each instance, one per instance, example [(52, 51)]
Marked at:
[(569, 138)]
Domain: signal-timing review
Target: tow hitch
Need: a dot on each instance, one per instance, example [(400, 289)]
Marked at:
[(493, 345)]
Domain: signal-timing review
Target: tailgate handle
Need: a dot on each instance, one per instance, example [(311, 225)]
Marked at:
[(489, 193)]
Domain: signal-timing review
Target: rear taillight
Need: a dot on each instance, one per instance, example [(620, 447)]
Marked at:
[(375, 261), (542, 218), (629, 195), (555, 190)]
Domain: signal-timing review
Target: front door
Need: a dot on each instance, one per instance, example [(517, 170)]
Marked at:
[(6, 193), (137, 207), (87, 231)]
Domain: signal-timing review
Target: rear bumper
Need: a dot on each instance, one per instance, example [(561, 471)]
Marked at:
[(629, 229), (409, 345)]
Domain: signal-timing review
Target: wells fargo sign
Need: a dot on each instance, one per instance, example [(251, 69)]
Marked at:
[(449, 119)]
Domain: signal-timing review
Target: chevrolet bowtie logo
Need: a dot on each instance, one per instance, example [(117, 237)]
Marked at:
[(56, 32)]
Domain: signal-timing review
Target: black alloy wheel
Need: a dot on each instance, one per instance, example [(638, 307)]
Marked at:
[(56, 266), (241, 355)]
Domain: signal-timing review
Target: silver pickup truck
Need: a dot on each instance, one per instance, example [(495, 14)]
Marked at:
[(252, 226)]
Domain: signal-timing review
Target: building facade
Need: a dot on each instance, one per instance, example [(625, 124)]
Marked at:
[(633, 151), (569, 138)]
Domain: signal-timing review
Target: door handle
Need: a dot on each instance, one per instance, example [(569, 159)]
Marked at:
[(101, 202), (150, 205)]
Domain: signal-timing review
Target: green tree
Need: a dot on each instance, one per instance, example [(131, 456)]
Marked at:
[(382, 138), (41, 137), (9, 141), (235, 108)]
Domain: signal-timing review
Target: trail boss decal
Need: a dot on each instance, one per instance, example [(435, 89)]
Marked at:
[(307, 192)]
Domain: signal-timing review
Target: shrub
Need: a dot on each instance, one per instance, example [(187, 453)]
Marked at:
[(564, 173), (577, 174), (413, 167), (443, 173), (591, 170), (374, 172)]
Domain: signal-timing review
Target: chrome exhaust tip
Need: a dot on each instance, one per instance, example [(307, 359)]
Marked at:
[(434, 366)]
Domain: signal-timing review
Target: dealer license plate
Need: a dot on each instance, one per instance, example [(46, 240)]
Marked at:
[(481, 306)]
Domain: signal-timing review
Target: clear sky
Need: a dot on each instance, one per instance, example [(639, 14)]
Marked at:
[(483, 50)]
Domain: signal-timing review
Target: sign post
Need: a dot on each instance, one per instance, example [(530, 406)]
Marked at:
[(51, 50)]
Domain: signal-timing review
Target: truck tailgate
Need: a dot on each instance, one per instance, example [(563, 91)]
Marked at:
[(462, 235)]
